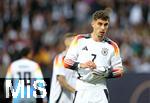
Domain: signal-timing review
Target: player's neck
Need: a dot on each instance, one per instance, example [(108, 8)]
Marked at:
[(96, 38)]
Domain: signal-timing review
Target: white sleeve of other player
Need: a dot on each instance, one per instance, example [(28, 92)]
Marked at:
[(58, 66)]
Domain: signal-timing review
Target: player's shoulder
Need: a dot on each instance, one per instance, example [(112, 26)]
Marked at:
[(110, 42), (16, 62), (33, 62), (24, 61), (82, 36)]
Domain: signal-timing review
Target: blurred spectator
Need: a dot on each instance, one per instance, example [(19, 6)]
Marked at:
[(82, 16), (135, 17), (41, 24)]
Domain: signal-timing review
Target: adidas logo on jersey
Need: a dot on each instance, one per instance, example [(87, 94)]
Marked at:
[(85, 48)]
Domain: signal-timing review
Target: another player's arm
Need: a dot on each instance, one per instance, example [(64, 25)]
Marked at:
[(59, 68), (64, 84), (116, 69)]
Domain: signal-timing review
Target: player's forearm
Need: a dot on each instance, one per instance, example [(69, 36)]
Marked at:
[(68, 87), (64, 84)]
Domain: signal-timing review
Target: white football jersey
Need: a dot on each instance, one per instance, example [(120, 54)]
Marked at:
[(56, 90), (24, 69), (84, 48)]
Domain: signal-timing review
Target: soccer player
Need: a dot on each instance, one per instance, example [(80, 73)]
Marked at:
[(63, 80), (96, 58), (27, 71)]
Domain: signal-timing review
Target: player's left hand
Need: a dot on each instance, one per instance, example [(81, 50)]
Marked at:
[(117, 72)]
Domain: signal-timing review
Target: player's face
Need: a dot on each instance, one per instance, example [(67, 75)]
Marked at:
[(100, 27)]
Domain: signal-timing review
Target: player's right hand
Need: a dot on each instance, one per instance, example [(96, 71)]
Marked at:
[(88, 64)]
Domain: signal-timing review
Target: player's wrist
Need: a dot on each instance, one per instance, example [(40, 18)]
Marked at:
[(115, 73), (73, 91), (79, 65)]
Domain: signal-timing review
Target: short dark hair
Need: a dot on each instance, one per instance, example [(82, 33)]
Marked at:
[(25, 51), (102, 14)]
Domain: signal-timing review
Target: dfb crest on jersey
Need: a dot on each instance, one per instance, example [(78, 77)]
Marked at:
[(104, 51)]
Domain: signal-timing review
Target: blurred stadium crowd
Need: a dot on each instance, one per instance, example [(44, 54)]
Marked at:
[(41, 24)]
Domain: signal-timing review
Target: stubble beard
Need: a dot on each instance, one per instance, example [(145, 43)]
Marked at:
[(99, 36)]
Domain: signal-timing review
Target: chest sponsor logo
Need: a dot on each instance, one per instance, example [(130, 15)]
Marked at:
[(104, 51)]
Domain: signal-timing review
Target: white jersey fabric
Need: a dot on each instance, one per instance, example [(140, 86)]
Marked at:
[(57, 93), (24, 69), (103, 54)]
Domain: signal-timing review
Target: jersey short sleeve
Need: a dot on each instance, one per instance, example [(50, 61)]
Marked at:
[(58, 65), (73, 52)]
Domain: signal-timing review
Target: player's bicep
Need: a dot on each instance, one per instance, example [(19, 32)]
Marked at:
[(72, 54)]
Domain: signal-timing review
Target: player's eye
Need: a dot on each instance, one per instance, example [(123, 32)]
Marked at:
[(106, 24), (100, 24)]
